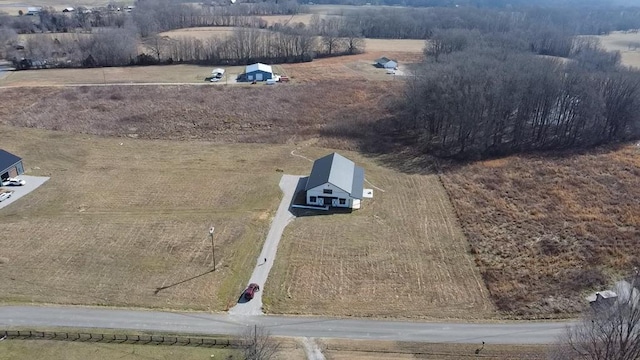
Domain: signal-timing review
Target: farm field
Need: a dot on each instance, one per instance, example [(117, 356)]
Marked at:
[(120, 218), (627, 43), (544, 228), (402, 255)]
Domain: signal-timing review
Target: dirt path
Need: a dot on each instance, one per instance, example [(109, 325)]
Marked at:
[(288, 185)]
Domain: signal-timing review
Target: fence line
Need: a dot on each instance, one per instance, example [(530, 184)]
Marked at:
[(209, 342)]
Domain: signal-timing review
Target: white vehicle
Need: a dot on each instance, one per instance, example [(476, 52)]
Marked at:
[(5, 196), (13, 182), (215, 79)]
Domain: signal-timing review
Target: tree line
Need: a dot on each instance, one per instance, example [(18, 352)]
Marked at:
[(480, 98)]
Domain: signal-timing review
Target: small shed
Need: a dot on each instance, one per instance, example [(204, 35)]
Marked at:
[(258, 72), (386, 63), (335, 181), (10, 165)]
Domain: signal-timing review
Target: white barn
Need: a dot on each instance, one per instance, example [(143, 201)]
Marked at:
[(335, 181)]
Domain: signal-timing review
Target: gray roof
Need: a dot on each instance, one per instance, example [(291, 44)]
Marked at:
[(338, 171), (7, 159), (258, 66)]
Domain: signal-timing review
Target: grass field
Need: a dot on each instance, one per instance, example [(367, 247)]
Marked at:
[(287, 112), (402, 255), (113, 75), (115, 222), (627, 43), (63, 350), (336, 349), (546, 230)]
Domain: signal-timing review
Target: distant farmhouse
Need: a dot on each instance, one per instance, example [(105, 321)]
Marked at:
[(336, 181), (10, 165), (385, 63), (258, 72)]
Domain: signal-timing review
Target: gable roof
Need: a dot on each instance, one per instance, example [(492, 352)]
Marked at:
[(258, 66), (338, 171), (7, 159), (382, 60)]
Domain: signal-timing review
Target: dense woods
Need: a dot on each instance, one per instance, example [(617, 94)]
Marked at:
[(480, 96)]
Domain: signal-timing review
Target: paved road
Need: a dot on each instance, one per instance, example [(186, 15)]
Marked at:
[(288, 184), (315, 327)]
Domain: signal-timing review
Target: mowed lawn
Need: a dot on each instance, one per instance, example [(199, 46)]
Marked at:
[(120, 218), (402, 255)]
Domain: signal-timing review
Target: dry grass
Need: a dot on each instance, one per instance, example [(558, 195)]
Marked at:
[(354, 67), (201, 33), (287, 19), (626, 43), (115, 222), (335, 349), (546, 229), (64, 350), (402, 255), (220, 113), (113, 75)]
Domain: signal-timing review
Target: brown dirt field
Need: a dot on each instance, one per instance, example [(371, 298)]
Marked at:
[(402, 255), (120, 218), (620, 41), (216, 113), (335, 349), (546, 230)]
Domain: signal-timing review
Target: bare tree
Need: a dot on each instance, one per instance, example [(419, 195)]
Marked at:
[(259, 344), (607, 332)]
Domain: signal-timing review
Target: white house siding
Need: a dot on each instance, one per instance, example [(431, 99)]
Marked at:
[(391, 65), (322, 199)]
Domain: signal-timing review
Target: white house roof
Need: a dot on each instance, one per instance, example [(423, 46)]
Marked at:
[(339, 171), (258, 66)]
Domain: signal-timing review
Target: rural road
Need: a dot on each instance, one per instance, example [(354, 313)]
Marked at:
[(288, 184), (313, 327)]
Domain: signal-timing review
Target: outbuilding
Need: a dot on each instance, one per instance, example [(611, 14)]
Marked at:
[(258, 72), (385, 63), (335, 181), (10, 165)]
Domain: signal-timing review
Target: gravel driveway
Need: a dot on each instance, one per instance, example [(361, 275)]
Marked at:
[(288, 184)]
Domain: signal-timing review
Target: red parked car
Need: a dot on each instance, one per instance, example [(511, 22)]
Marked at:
[(251, 291)]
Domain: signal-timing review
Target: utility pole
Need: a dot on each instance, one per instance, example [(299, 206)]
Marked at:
[(213, 248)]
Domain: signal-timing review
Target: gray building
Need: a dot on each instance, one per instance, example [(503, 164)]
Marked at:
[(258, 72), (335, 181), (10, 165)]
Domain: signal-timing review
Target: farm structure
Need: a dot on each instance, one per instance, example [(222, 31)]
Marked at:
[(386, 63), (258, 72), (335, 181), (10, 165)]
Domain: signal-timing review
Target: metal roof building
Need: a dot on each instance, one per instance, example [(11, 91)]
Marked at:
[(258, 72), (10, 165), (335, 181)]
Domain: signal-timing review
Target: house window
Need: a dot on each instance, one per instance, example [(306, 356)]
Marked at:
[(312, 199), (327, 191), (343, 201)]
